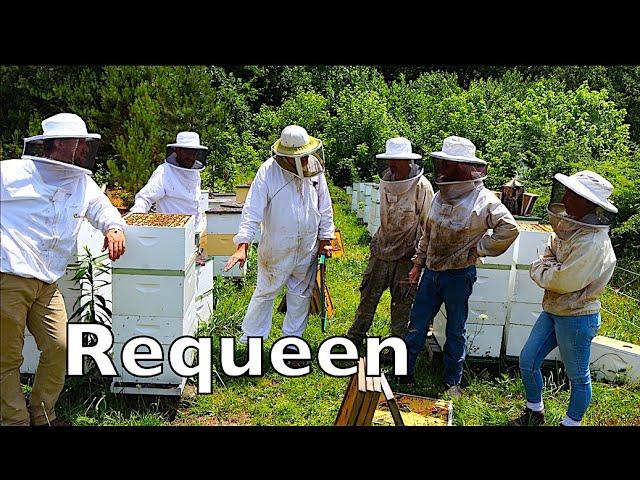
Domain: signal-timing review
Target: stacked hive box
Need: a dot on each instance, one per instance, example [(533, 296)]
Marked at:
[(488, 306), (361, 200), (154, 290), (71, 292), (526, 303), (374, 211), (354, 196)]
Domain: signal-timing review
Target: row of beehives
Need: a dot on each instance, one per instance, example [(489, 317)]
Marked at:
[(505, 302)]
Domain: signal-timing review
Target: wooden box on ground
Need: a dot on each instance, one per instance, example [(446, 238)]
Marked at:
[(416, 412)]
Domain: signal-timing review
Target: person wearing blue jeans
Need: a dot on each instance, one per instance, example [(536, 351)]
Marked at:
[(455, 236), (453, 288), (574, 270)]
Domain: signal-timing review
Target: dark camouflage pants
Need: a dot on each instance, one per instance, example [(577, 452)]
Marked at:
[(379, 276)]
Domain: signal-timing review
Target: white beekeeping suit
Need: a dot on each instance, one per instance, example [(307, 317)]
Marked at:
[(175, 185), (291, 200), (44, 201)]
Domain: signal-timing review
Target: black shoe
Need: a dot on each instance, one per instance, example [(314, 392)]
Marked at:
[(528, 418)]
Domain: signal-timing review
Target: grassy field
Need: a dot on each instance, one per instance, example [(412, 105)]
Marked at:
[(493, 391)]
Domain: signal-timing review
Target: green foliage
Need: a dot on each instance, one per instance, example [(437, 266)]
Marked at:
[(90, 307)]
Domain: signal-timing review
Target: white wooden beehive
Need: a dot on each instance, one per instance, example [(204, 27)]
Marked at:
[(612, 359), (482, 340), (516, 337), (168, 376), (159, 248), (525, 313), (525, 290), (166, 295), (204, 307), (204, 277), (224, 218), (531, 244), (354, 196), (492, 285), (165, 329)]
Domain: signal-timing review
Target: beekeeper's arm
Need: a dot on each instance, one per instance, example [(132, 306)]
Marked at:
[(252, 214), (580, 268), (106, 218), (326, 230), (425, 198), (505, 231), (150, 193)]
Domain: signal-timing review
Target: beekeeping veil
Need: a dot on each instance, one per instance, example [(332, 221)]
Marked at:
[(580, 200), (457, 163), (187, 153), (299, 153), (64, 141), (398, 167)]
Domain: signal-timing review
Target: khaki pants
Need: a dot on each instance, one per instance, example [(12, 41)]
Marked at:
[(39, 306), (379, 276)]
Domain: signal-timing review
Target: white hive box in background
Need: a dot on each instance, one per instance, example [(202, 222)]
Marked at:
[(165, 294), (204, 277), (159, 247), (224, 218), (525, 313), (365, 214), (516, 337), (354, 196), (492, 285), (204, 308), (374, 210), (532, 242), (348, 189), (482, 340), (613, 360), (361, 200), (525, 290), (204, 201)]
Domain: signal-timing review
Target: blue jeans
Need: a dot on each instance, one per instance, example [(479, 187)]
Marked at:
[(573, 337), (453, 287)]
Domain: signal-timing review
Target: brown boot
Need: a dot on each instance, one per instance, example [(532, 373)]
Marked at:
[(528, 418)]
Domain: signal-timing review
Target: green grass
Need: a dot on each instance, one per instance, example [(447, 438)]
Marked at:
[(493, 391)]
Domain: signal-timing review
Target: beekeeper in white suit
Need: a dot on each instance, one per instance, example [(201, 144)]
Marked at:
[(289, 196), (175, 185), (43, 198), (574, 271)]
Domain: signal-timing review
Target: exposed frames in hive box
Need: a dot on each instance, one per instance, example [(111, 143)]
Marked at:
[(156, 219)]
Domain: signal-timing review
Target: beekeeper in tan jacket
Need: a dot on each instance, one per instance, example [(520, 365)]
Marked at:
[(574, 271), (462, 212), (405, 199)]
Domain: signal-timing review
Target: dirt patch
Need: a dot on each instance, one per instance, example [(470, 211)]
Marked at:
[(241, 418)]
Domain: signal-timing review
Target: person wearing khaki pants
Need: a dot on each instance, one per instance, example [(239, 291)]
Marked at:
[(39, 306), (43, 198)]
